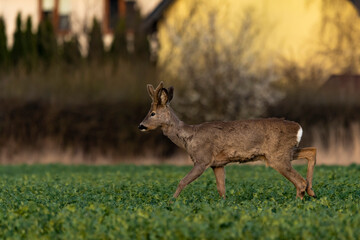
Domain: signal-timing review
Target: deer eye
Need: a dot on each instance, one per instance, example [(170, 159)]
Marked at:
[(152, 114)]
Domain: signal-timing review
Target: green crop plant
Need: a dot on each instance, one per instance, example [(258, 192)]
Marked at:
[(134, 202)]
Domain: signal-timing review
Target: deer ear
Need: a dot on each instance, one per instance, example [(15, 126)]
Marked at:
[(151, 91), (163, 96), (170, 93)]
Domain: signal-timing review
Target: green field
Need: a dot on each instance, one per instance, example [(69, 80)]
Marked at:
[(134, 202)]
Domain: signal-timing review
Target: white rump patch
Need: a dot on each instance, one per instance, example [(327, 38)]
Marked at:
[(299, 135)]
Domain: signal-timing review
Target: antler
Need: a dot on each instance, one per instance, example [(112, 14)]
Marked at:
[(159, 87), (157, 90), (153, 93)]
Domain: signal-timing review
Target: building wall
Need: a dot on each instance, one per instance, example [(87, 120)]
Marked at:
[(290, 29), (81, 14), (146, 6), (9, 10)]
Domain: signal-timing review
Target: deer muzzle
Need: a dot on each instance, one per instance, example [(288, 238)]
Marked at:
[(142, 127)]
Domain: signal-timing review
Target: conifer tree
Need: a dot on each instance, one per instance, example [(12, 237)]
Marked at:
[(119, 44), (46, 42), (96, 44), (71, 51), (30, 44), (4, 55), (18, 49), (142, 47)]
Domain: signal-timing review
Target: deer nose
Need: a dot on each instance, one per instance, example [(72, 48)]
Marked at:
[(142, 127)]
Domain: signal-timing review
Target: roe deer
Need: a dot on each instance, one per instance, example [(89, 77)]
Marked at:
[(215, 144)]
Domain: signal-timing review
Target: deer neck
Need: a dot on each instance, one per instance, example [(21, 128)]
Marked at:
[(177, 131)]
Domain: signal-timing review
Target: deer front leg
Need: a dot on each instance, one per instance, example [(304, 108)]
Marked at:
[(220, 180), (191, 176)]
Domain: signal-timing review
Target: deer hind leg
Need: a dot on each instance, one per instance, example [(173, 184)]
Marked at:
[(283, 166), (220, 180), (310, 155), (190, 177)]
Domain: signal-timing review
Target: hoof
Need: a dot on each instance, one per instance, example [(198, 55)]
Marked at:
[(172, 200), (311, 192), (300, 195)]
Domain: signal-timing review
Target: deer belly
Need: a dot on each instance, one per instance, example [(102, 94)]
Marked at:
[(225, 157)]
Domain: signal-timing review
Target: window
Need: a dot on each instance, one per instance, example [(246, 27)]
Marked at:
[(114, 11), (64, 15), (47, 9), (58, 12)]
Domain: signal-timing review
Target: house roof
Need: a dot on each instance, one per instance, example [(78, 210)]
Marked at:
[(356, 4), (150, 22), (350, 83), (341, 88)]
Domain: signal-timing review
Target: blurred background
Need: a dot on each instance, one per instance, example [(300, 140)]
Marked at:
[(73, 74)]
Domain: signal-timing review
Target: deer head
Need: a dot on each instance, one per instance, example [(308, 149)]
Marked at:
[(159, 113)]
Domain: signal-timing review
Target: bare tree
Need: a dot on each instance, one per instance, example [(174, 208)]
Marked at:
[(340, 34), (215, 67)]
